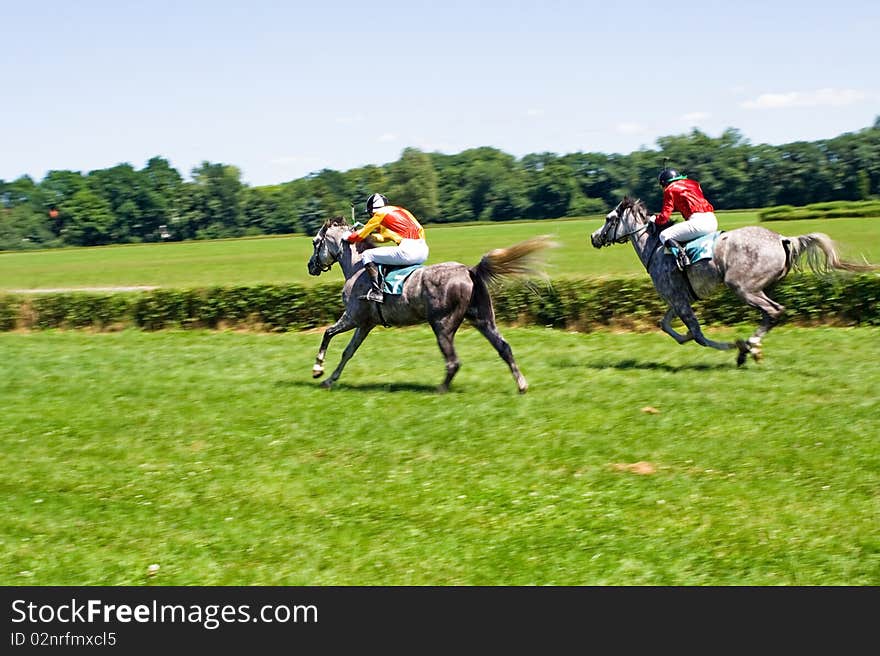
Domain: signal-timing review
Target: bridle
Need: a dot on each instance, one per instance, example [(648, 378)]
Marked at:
[(317, 246), (621, 239)]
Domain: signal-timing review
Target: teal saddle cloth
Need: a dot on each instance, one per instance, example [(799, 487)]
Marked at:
[(700, 248), (393, 277)]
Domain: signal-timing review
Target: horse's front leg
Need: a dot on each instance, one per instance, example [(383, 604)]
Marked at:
[(686, 313), (666, 325), (343, 325), (359, 335)]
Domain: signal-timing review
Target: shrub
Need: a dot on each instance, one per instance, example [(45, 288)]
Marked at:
[(580, 304), (829, 210)]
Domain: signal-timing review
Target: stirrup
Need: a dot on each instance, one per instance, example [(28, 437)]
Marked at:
[(681, 260), (373, 295)]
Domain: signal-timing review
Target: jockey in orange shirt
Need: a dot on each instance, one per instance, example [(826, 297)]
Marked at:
[(389, 223), (685, 196)]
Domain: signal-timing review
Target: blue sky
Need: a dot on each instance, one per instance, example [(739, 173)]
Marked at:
[(282, 89)]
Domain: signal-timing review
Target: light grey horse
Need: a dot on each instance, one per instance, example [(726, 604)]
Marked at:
[(748, 260), (442, 295)]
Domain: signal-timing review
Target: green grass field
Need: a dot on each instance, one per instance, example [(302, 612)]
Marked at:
[(631, 460), (283, 259), (216, 457)]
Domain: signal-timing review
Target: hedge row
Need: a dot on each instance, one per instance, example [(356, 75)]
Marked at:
[(574, 304), (829, 210)]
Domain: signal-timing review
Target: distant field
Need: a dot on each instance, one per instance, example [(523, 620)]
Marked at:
[(283, 259), (630, 461)]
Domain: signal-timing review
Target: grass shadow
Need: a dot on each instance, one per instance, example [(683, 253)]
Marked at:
[(630, 364), (365, 387)]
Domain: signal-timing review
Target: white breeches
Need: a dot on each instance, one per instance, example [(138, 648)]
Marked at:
[(409, 251), (700, 223)]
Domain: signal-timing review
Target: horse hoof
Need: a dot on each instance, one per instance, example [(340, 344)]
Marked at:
[(757, 355), (317, 374), (523, 389), (442, 389), (326, 384), (741, 358)]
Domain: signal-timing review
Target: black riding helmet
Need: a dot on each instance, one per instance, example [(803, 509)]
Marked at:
[(374, 202), (668, 175)]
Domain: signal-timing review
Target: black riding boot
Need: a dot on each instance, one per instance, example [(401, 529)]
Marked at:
[(681, 259), (375, 294)]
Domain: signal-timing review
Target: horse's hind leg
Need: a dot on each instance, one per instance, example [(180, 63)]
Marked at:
[(770, 310), (490, 331), (359, 335)]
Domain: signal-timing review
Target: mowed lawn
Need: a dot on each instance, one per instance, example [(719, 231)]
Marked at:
[(630, 461), (283, 259)]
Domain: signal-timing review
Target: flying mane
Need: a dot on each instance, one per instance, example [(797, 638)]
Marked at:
[(636, 204)]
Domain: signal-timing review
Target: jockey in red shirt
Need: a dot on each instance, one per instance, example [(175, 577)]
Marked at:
[(389, 223), (685, 196)]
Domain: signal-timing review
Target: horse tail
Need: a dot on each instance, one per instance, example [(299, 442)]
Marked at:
[(517, 260), (816, 244)]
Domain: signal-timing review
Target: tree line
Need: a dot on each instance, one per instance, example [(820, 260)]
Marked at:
[(124, 205)]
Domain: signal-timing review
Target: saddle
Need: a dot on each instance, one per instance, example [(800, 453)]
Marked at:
[(701, 248), (393, 276)]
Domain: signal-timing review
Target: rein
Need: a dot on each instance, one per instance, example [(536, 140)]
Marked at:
[(318, 245), (621, 239)]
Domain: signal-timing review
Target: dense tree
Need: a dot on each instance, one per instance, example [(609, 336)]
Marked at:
[(121, 204), (267, 210), (210, 204), (412, 183), (162, 192), (88, 220)]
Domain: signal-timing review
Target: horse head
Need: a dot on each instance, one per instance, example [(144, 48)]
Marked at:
[(327, 245), (628, 218)]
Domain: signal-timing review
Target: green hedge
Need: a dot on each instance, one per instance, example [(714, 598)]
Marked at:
[(573, 304), (829, 210)]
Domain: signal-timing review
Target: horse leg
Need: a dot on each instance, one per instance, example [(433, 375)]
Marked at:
[(343, 325), (687, 315), (359, 335), (770, 310), (445, 329), (489, 330), (666, 325)]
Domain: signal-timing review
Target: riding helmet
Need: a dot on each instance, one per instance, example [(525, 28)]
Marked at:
[(374, 202), (668, 175)]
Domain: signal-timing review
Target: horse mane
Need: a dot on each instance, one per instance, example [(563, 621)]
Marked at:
[(336, 221), (637, 205)]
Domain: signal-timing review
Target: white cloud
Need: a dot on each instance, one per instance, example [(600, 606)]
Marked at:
[(629, 128), (387, 137), (695, 117), (821, 97)]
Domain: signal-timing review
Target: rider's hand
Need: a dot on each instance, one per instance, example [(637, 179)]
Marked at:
[(350, 236)]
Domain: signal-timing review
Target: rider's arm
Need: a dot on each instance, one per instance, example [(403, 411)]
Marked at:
[(668, 207), (374, 222)]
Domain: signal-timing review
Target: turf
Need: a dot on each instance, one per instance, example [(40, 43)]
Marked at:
[(630, 461), (283, 259)]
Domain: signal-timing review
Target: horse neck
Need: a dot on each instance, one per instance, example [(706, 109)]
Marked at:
[(349, 259), (644, 246)]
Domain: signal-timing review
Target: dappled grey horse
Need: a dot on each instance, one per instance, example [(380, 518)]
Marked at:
[(748, 260), (442, 295)]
